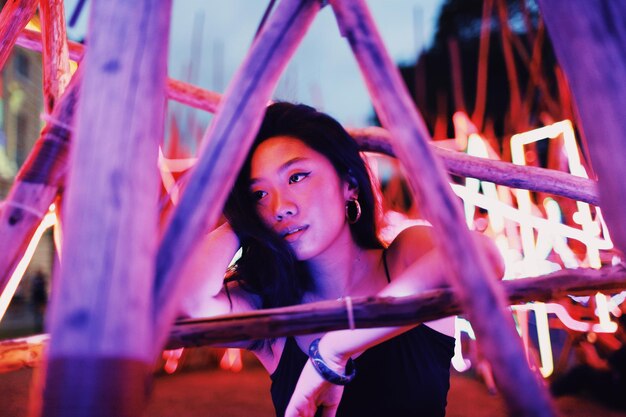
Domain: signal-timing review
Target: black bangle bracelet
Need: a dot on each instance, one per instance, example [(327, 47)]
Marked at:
[(327, 373)]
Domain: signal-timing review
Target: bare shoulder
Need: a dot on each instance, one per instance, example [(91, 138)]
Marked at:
[(410, 245), (414, 242)]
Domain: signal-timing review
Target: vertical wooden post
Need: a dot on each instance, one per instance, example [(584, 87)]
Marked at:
[(14, 16), (472, 279), (589, 39), (101, 347), (227, 142), (56, 62)]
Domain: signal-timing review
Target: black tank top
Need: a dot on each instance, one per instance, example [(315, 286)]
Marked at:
[(408, 375)]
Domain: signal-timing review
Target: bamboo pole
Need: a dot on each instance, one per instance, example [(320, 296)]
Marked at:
[(384, 311), (56, 63), (225, 146), (597, 79), (101, 349), (14, 16), (471, 277), (36, 185)]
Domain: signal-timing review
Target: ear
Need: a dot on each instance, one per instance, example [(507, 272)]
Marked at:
[(350, 187)]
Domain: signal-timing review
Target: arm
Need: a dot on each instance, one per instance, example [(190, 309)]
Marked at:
[(205, 274), (415, 266)]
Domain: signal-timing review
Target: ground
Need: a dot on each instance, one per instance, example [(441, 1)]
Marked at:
[(228, 394), (201, 388)]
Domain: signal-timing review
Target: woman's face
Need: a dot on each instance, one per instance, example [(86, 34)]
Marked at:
[(299, 195)]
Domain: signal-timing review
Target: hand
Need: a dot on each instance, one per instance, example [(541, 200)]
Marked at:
[(313, 391)]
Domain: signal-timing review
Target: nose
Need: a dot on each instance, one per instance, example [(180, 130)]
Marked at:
[(283, 207)]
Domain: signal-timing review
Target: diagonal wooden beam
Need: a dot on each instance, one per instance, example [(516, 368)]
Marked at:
[(36, 185), (226, 144), (589, 40), (56, 63), (471, 277), (378, 140), (14, 16)]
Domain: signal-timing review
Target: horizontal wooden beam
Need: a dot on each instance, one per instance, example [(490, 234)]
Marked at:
[(385, 311), (368, 312), (377, 139)]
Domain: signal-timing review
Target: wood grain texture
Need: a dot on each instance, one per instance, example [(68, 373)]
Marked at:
[(589, 39), (100, 321), (36, 185), (471, 276), (56, 62), (385, 311), (110, 205), (14, 16), (377, 139), (225, 146)]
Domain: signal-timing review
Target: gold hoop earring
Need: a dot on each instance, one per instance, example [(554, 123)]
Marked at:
[(353, 211)]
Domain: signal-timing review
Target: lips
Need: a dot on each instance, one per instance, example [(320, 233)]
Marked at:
[(293, 232)]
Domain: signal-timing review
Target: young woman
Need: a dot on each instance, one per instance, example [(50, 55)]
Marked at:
[(305, 215)]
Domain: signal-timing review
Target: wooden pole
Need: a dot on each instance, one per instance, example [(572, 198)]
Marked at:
[(56, 63), (597, 78), (31, 39), (14, 16), (471, 277), (36, 184), (226, 144), (384, 311), (100, 319), (368, 312), (376, 139), (185, 93)]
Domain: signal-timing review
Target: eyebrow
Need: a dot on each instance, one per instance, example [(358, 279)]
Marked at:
[(283, 167)]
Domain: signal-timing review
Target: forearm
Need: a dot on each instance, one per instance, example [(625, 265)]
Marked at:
[(425, 274), (206, 267)]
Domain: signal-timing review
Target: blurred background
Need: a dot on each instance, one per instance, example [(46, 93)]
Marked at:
[(485, 79)]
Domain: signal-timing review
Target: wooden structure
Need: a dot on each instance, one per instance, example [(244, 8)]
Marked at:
[(113, 269)]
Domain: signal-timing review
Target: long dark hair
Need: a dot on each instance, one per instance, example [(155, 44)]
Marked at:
[(268, 267)]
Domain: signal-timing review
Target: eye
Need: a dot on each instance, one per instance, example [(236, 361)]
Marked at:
[(258, 195), (298, 176)]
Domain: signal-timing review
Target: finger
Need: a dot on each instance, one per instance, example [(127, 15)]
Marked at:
[(295, 409), (330, 411)]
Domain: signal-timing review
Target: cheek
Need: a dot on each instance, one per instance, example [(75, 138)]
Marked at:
[(264, 214)]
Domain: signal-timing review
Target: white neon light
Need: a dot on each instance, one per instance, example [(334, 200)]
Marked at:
[(5, 298), (460, 363)]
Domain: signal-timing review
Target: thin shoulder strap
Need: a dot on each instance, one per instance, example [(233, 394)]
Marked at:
[(385, 264)]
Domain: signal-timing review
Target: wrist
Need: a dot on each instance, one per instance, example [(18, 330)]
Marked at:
[(333, 373), (335, 359)]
